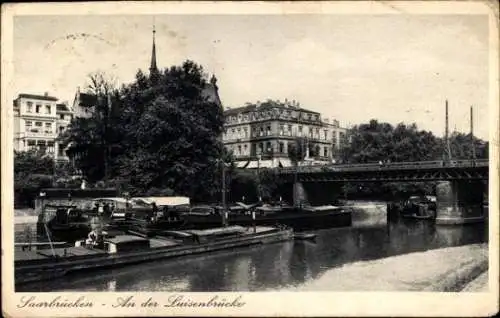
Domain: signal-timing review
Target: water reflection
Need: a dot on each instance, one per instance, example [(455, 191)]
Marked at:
[(278, 265)]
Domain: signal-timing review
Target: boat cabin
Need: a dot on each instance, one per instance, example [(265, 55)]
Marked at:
[(64, 214), (203, 236), (161, 208), (204, 210), (125, 243), (114, 207)]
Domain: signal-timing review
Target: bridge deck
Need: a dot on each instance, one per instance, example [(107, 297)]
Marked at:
[(418, 165)]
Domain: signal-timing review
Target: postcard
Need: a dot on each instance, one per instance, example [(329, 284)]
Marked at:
[(250, 158)]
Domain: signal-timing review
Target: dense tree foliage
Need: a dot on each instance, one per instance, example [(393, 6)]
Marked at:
[(159, 134), (382, 142), (32, 171)]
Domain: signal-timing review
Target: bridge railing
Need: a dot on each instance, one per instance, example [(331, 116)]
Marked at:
[(463, 163)]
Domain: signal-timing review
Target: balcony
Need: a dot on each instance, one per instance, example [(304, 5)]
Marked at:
[(39, 134)]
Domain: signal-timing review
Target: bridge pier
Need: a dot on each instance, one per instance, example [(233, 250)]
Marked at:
[(317, 193), (459, 202)]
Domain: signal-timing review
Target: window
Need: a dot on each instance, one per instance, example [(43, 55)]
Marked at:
[(245, 131), (289, 130), (309, 116), (50, 146), (282, 128), (300, 131), (61, 116), (232, 133), (317, 133), (261, 131), (268, 146), (239, 150), (41, 145), (269, 130), (29, 107), (31, 143), (38, 124), (48, 128), (28, 125), (245, 147), (261, 148), (61, 129), (325, 134), (325, 152), (47, 109), (37, 109), (282, 147), (60, 153)]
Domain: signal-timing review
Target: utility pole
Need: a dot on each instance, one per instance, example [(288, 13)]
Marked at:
[(259, 193), (473, 148), (446, 137)]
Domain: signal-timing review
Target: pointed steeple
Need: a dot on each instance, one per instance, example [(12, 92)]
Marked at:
[(153, 68)]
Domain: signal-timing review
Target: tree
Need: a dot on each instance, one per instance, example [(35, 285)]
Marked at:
[(33, 171), (90, 140), (297, 150), (161, 133), (374, 142), (297, 153), (462, 146)]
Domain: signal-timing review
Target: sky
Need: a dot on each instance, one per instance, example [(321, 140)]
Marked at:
[(393, 68)]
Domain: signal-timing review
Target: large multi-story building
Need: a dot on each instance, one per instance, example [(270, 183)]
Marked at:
[(259, 135), (38, 121)]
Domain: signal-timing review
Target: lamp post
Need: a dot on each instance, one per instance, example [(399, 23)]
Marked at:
[(259, 193), (224, 204)]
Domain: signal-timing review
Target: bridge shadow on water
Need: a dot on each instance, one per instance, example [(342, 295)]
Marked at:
[(279, 265)]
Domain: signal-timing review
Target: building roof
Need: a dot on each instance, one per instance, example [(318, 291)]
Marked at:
[(211, 92), (264, 106), (41, 97), (87, 100), (62, 108)]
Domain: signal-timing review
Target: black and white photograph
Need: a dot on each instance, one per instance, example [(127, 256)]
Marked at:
[(209, 156)]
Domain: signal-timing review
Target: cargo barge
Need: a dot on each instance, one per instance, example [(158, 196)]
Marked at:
[(298, 218), (122, 250)]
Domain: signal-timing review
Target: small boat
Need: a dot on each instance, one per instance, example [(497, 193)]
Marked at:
[(102, 251), (304, 236), (418, 208)]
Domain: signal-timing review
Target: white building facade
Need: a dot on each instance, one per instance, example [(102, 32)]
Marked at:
[(38, 121)]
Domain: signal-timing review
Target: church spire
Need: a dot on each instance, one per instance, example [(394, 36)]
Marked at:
[(153, 67)]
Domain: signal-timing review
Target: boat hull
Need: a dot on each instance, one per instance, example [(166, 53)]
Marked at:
[(297, 220), (37, 270)]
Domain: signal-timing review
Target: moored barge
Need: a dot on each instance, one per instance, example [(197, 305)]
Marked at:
[(298, 218), (123, 250)]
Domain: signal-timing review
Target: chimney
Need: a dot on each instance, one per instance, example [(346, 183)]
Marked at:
[(46, 94)]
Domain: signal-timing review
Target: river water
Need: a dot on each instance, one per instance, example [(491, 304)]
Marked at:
[(277, 266)]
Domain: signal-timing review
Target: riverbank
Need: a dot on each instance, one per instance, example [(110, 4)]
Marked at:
[(447, 269)]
